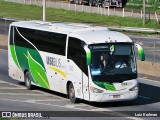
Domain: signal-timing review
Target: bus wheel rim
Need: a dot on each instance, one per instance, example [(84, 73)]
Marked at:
[(72, 93), (27, 81)]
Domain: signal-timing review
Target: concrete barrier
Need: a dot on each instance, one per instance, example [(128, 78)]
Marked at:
[(149, 68)]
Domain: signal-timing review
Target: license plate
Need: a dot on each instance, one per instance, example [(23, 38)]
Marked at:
[(116, 96)]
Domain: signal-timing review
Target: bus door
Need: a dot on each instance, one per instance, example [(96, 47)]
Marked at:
[(85, 82), (74, 65)]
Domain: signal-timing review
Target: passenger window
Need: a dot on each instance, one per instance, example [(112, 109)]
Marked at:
[(11, 36), (42, 40)]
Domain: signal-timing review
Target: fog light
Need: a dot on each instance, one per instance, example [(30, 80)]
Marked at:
[(134, 88)]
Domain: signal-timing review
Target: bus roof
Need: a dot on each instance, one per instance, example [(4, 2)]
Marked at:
[(89, 33)]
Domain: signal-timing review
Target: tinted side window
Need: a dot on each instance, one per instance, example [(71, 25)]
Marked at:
[(51, 42), (44, 41), (19, 33), (11, 36), (77, 53)]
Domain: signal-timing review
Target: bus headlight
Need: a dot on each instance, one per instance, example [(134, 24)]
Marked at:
[(95, 90), (134, 88)]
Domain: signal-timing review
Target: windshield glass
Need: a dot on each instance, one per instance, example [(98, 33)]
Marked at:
[(113, 62)]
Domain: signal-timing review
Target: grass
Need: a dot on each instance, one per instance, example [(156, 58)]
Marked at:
[(140, 7), (15, 10), (148, 2), (154, 5)]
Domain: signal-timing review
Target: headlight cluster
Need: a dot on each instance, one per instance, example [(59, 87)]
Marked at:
[(95, 90), (134, 88)]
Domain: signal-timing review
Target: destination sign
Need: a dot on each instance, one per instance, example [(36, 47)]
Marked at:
[(102, 47), (99, 47)]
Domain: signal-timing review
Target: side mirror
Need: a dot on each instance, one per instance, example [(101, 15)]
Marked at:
[(88, 55), (140, 52)]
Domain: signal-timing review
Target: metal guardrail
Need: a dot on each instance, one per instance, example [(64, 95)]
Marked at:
[(10, 19)]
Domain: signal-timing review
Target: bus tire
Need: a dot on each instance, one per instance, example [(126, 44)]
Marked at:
[(71, 93), (27, 81)]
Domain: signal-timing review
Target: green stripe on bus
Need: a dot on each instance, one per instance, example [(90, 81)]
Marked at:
[(14, 56), (38, 72), (105, 85)]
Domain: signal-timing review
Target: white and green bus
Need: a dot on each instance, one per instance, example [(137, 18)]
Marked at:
[(82, 61)]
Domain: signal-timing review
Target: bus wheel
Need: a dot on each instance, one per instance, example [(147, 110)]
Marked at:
[(71, 93), (27, 81)]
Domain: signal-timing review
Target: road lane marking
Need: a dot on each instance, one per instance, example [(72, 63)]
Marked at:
[(144, 97), (100, 109), (49, 94), (1, 81), (75, 105), (54, 99), (1, 88), (38, 91), (3, 50), (21, 94), (30, 101), (81, 109), (42, 104), (46, 100)]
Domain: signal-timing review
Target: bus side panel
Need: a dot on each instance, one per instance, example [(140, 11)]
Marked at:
[(13, 66), (55, 70), (14, 71)]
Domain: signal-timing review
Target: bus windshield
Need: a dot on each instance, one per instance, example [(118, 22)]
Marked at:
[(113, 62)]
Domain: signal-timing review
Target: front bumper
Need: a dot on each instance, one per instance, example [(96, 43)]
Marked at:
[(114, 96)]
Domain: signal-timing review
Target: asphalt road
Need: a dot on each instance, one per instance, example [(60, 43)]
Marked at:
[(151, 47), (15, 97)]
